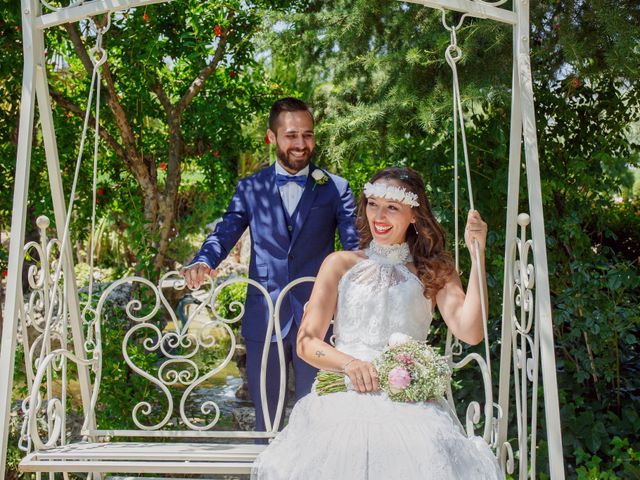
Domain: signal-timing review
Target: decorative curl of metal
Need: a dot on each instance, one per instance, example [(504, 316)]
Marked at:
[(496, 3), (209, 407), (506, 458), (525, 345), (473, 413), (54, 8), (55, 410), (43, 323)]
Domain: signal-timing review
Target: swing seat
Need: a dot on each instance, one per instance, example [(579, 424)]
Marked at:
[(141, 457)]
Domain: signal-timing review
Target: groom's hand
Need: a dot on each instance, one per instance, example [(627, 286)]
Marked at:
[(195, 275), (363, 376)]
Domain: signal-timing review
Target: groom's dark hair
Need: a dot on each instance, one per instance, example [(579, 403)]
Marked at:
[(288, 104)]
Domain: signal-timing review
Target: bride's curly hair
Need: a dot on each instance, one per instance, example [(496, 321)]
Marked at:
[(428, 247)]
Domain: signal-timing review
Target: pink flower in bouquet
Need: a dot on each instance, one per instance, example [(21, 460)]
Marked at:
[(399, 379), (404, 358)]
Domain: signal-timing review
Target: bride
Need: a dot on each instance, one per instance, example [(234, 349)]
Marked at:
[(392, 285)]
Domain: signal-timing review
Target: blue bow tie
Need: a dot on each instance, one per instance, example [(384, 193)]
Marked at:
[(282, 180)]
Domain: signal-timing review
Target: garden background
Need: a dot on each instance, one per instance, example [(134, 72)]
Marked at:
[(374, 72)]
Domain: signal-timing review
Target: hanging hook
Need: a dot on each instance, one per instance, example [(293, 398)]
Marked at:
[(98, 54), (446, 25)]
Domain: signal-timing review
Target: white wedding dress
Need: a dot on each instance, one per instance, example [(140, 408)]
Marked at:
[(354, 436)]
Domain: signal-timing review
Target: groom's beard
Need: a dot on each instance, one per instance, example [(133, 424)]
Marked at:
[(294, 164)]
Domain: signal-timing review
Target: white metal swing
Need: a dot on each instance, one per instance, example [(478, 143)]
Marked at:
[(526, 319)]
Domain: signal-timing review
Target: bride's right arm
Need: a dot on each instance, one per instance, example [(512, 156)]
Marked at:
[(319, 311)]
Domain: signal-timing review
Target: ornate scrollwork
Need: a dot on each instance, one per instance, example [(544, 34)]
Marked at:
[(54, 413), (54, 6), (495, 3), (156, 329), (525, 347), (473, 413), (43, 327)]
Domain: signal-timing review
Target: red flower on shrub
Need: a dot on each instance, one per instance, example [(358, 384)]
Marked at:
[(145, 17), (100, 191), (163, 165), (4, 274), (232, 73), (575, 82), (216, 153), (217, 30)]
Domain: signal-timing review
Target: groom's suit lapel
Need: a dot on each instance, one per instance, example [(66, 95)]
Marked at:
[(275, 202), (306, 202)]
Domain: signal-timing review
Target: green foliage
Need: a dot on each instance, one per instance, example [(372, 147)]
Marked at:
[(624, 462), (376, 76)]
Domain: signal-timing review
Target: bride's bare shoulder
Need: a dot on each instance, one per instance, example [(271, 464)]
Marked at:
[(339, 262)]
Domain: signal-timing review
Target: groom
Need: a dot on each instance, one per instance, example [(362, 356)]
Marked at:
[(292, 209)]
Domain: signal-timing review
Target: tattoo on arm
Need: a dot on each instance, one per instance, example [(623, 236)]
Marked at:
[(320, 353)]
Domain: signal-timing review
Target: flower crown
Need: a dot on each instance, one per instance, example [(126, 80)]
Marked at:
[(391, 192)]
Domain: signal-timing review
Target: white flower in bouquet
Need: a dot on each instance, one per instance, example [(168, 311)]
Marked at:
[(398, 338)]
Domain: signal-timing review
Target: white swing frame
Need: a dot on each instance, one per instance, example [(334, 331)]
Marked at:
[(522, 312)]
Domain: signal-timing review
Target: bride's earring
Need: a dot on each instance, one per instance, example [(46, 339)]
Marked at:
[(415, 228)]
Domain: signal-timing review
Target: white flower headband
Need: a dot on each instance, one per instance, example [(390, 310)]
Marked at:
[(391, 192)]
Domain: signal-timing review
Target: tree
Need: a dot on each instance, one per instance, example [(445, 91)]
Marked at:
[(179, 85)]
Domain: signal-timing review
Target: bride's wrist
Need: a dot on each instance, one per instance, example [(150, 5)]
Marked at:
[(474, 258), (346, 364)]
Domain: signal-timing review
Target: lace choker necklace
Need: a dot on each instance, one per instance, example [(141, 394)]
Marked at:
[(396, 254)]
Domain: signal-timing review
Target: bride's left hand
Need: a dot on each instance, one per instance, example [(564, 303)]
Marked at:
[(363, 376), (476, 230)]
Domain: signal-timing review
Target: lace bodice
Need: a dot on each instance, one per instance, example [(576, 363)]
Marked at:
[(377, 297)]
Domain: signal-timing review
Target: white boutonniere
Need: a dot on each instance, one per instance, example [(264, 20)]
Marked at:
[(319, 177)]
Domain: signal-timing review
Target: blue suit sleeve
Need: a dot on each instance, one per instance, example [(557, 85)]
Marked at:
[(226, 234), (346, 218)]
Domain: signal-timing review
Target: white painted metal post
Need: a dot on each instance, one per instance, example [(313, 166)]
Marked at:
[(511, 230), (543, 300), (18, 220), (59, 207)]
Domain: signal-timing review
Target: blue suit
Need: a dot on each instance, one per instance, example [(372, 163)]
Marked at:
[(283, 248)]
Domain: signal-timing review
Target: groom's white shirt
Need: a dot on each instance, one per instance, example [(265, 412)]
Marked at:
[(291, 192)]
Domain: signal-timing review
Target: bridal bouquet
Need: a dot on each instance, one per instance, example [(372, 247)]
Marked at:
[(408, 371)]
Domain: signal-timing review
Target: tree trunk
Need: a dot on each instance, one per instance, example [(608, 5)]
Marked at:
[(169, 200)]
